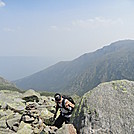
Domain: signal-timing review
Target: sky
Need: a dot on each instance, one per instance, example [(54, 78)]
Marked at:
[(63, 29)]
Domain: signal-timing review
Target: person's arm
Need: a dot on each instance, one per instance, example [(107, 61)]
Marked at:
[(69, 105), (56, 111)]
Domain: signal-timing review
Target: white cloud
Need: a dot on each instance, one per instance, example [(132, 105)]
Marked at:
[(2, 4), (8, 30), (53, 28), (56, 28), (97, 22), (93, 23), (66, 29)]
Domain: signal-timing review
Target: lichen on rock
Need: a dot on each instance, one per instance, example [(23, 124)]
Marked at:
[(108, 108)]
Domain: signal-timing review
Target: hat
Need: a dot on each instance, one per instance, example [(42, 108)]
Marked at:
[(57, 97)]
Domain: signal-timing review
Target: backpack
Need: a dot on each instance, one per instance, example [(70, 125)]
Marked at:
[(69, 99)]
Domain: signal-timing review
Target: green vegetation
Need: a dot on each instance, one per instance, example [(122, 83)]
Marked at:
[(5, 87), (45, 93)]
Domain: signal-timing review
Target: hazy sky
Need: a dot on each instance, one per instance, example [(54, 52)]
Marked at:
[(63, 29)]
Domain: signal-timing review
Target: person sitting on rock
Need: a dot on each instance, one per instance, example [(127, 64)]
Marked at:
[(66, 107)]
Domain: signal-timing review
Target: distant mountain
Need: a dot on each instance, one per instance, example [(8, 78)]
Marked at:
[(6, 85), (5, 82), (113, 62)]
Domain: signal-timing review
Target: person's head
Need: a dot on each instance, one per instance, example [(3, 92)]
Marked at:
[(57, 97)]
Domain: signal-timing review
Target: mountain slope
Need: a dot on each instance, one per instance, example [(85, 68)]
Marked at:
[(107, 109), (6, 85), (84, 73)]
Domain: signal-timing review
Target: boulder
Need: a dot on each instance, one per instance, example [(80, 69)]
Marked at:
[(31, 105), (6, 131), (66, 129), (3, 124), (50, 130), (13, 101), (24, 128), (108, 108), (31, 95), (13, 123), (16, 106), (7, 114), (47, 116)]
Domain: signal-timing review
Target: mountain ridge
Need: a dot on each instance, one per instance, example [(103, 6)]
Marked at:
[(87, 71)]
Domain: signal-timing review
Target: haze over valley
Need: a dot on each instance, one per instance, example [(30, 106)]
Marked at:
[(16, 67)]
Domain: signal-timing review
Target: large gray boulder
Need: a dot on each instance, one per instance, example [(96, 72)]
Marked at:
[(12, 100), (31, 95), (24, 128), (108, 108)]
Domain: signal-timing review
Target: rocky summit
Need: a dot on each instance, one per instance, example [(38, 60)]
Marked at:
[(107, 109), (29, 113)]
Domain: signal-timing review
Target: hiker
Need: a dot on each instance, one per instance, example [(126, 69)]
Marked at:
[(66, 108)]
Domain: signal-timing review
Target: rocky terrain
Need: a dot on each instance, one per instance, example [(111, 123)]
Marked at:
[(107, 109), (29, 113)]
